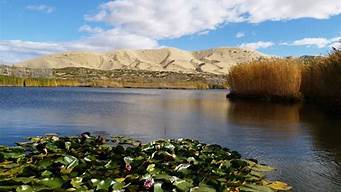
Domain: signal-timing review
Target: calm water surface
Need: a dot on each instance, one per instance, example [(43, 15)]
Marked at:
[(302, 142)]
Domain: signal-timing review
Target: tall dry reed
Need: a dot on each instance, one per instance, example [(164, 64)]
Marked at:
[(267, 78), (321, 79)]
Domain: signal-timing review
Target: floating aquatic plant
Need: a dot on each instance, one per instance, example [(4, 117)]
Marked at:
[(89, 163)]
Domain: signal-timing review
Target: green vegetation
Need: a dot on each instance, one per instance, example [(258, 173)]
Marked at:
[(270, 79), (11, 81), (88, 163), (119, 78), (35, 82)]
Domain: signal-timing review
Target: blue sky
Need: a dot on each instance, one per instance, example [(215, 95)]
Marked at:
[(30, 28)]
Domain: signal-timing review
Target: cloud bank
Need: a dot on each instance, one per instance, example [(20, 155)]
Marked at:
[(142, 23), (257, 45)]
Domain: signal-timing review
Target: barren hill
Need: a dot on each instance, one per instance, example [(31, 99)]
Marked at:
[(215, 61)]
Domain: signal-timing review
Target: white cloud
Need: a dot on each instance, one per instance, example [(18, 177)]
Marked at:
[(169, 19), (275, 10), (318, 42), (12, 51), (240, 34), (41, 8), (141, 23), (89, 29), (176, 18), (257, 45)]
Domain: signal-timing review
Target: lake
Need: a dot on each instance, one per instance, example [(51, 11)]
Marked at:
[(302, 142)]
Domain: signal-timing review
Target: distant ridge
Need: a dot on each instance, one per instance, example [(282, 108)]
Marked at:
[(217, 60)]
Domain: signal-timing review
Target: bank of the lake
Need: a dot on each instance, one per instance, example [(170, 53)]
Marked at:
[(120, 78)]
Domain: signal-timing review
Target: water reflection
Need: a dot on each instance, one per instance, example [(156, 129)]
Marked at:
[(311, 144), (277, 118), (288, 137)]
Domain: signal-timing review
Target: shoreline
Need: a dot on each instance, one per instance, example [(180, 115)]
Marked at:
[(83, 77), (119, 87)]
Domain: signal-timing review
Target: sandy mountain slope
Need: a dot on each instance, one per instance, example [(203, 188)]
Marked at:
[(217, 60)]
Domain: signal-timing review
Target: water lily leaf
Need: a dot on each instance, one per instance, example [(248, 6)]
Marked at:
[(103, 184), (24, 188), (111, 165), (68, 159), (8, 188), (12, 155), (24, 180), (67, 145), (90, 158), (12, 172), (277, 185), (105, 147), (51, 146), (35, 139), (46, 173), (158, 187), (257, 174), (255, 188), (70, 162), (264, 168), (117, 186), (183, 185), (192, 160), (76, 182), (183, 168), (44, 164), (151, 168), (203, 188), (163, 177), (128, 160), (169, 146), (8, 165), (52, 183), (120, 180)]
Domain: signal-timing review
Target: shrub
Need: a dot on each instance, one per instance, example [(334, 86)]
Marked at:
[(267, 79)]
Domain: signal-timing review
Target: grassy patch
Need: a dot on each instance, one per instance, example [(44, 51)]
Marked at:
[(36, 82)]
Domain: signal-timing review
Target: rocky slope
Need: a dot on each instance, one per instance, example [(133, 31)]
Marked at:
[(217, 61)]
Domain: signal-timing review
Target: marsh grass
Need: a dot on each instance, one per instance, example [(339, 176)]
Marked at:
[(36, 82), (269, 79), (321, 79), (317, 78)]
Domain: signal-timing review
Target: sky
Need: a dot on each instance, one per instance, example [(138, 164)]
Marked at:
[(31, 28)]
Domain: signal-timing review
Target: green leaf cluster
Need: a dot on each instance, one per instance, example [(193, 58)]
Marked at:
[(90, 163)]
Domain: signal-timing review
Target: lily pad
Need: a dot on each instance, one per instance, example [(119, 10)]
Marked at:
[(89, 163)]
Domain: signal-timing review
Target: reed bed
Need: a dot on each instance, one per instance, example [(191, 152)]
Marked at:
[(270, 79), (318, 79), (321, 79), (12, 81)]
